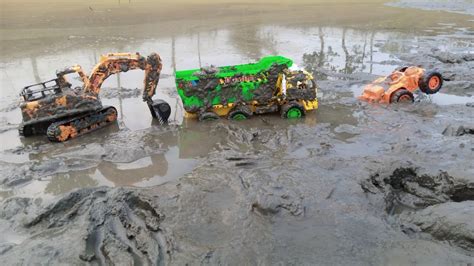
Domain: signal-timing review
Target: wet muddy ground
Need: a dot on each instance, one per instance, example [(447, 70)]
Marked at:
[(352, 183)]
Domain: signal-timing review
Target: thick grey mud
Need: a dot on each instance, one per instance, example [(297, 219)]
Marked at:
[(439, 205), (115, 226), (278, 193), (350, 184)]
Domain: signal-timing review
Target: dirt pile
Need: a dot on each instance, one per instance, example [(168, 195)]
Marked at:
[(450, 58), (107, 226), (451, 222), (439, 205), (459, 130)]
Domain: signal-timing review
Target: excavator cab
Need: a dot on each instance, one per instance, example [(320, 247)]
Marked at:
[(40, 90), (56, 86)]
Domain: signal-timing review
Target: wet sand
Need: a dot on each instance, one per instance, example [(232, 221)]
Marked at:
[(351, 183)]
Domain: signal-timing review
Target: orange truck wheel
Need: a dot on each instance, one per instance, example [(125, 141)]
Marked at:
[(402, 96), (431, 82)]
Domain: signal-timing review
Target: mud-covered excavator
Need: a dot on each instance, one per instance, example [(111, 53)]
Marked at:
[(61, 112)]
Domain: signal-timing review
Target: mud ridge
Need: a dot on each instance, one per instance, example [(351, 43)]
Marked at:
[(439, 205), (457, 131), (117, 226)]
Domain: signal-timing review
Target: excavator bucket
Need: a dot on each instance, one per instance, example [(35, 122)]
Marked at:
[(160, 110)]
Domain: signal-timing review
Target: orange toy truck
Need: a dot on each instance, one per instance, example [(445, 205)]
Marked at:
[(400, 85)]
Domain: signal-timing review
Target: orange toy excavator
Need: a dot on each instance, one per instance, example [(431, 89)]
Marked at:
[(400, 85), (61, 112)]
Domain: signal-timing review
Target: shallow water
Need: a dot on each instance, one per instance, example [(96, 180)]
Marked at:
[(260, 191), (344, 49), (439, 98)]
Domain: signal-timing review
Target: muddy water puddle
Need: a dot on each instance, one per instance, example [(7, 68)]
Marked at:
[(143, 172), (159, 158)]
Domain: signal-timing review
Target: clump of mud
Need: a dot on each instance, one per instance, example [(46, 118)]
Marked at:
[(450, 58), (439, 205), (458, 130), (117, 226)]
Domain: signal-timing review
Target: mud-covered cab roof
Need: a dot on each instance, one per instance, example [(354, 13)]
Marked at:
[(265, 63)]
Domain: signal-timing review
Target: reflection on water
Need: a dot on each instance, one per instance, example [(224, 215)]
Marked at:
[(165, 157), (147, 171), (170, 155), (343, 50), (336, 49), (148, 159), (447, 99)]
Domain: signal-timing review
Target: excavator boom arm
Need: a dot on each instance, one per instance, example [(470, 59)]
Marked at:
[(122, 62), (61, 75)]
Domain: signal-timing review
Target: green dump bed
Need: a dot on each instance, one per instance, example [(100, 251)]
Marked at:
[(200, 89)]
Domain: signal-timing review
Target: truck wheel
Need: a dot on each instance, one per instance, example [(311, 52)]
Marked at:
[(431, 82), (208, 116), (240, 113), (292, 110), (402, 96)]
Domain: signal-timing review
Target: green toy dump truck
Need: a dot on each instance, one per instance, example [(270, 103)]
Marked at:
[(239, 91)]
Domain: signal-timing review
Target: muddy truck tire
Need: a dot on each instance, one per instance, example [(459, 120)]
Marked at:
[(208, 116), (292, 110), (431, 82), (240, 113), (402, 96)]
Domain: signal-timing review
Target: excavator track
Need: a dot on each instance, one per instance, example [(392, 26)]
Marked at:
[(71, 128)]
